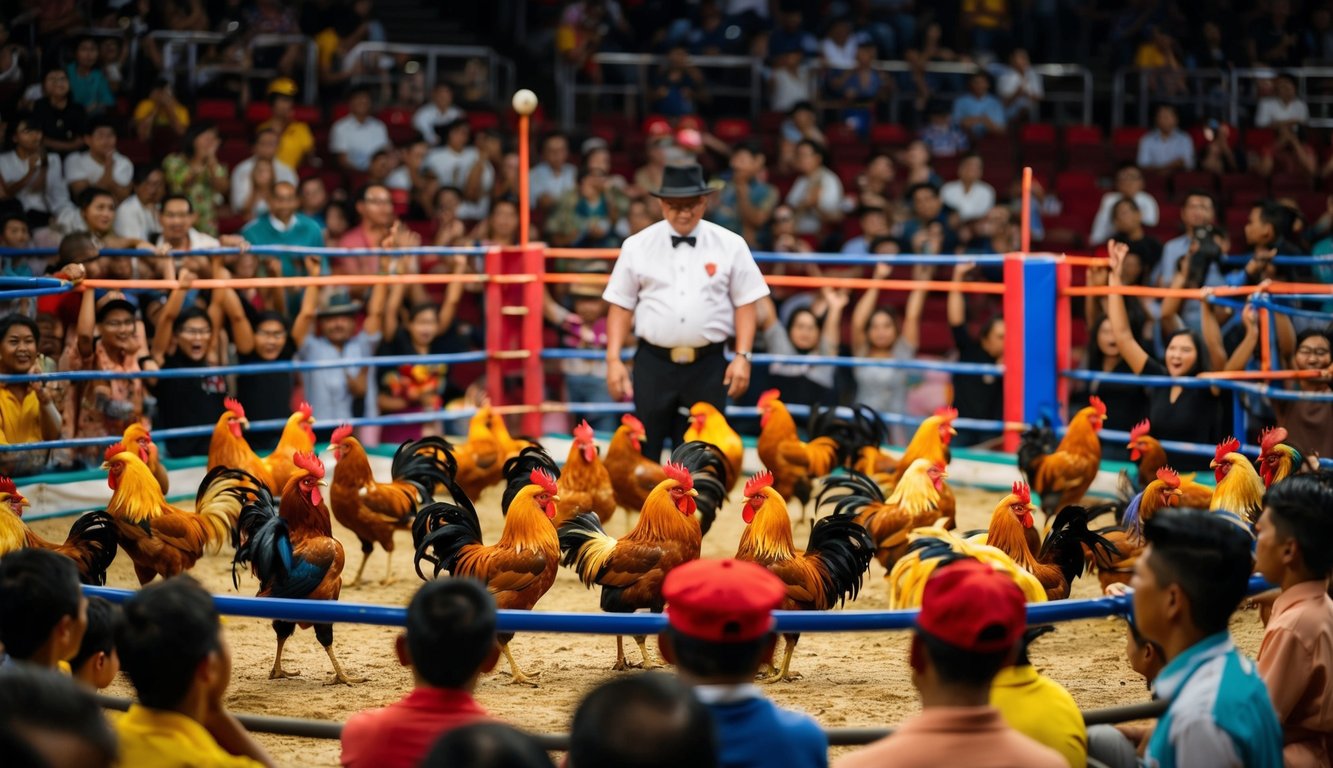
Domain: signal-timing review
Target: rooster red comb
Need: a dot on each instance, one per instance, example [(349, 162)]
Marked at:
[(544, 479), (1271, 437), (112, 450), (1169, 476), (1023, 493), (1139, 430), (680, 474), (7, 485), (948, 414), (305, 410), (583, 431), (758, 483), (343, 432), (234, 405), (632, 421), (768, 396), (1230, 445), (310, 463), (1096, 402)]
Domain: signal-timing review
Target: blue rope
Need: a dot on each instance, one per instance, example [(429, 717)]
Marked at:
[(23, 293), (26, 281), (277, 366), (1282, 260)]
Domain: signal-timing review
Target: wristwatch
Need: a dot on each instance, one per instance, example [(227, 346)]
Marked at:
[(749, 357)]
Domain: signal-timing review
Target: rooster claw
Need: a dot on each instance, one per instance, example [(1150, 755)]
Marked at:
[(278, 673), (342, 679), (529, 680)]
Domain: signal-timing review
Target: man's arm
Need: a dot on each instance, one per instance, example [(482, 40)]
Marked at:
[(737, 378), (618, 322)]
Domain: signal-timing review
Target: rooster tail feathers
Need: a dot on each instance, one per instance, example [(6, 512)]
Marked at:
[(93, 535), (708, 467), (1036, 443), (265, 542), (218, 503), (846, 550), (1068, 535), (850, 492), (424, 463), (441, 532), (518, 472), (585, 546)]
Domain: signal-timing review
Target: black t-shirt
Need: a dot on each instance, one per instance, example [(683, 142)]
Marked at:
[(1197, 416), (188, 402), (266, 396), (60, 124), (1126, 405), (976, 397)]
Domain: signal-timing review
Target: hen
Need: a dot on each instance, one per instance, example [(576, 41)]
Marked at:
[(913, 504), (373, 510), (138, 438), (1277, 460), (519, 568), (297, 435), (829, 571), (796, 464), (709, 425), (91, 542), (229, 448), (291, 550), (584, 483), (1240, 491), (1151, 456), (1063, 477), (633, 476), (1127, 538)]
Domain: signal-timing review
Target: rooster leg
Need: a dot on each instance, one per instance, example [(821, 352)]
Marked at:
[(366, 548), (621, 665), (284, 630), (388, 568), (324, 633), (783, 673), (648, 662), (516, 675)]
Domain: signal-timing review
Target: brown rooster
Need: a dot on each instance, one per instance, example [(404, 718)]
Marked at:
[(229, 448), (1151, 456), (913, 504), (633, 476), (297, 435), (1063, 477), (584, 482), (1127, 538), (91, 542), (372, 510), (795, 464), (138, 438)]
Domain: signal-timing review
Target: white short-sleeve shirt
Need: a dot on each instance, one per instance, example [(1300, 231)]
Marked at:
[(359, 141), (685, 296), (80, 166)]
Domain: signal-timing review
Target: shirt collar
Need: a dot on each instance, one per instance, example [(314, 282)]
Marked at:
[(1016, 676), (1306, 590), (429, 697), (278, 225), (1177, 673), (727, 694)]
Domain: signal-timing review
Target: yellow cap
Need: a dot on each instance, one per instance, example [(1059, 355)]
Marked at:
[(282, 86)]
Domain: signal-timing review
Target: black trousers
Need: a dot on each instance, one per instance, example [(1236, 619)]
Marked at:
[(664, 392)]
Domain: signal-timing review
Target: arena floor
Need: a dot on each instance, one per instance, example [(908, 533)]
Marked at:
[(852, 679)]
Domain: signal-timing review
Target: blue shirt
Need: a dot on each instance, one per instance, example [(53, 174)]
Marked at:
[(753, 732), (1220, 713), (91, 91), (968, 105), (301, 232), (326, 388)]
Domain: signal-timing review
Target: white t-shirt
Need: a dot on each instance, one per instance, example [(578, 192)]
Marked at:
[(544, 180), (789, 89), (840, 56), (80, 166), (240, 181), (134, 219), (359, 141), (830, 199), (53, 198), (197, 240), (1102, 229), (969, 203), (686, 295), (1272, 110), (428, 116), (1010, 82), (452, 169)]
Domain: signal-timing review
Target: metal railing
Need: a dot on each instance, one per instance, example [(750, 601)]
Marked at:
[(501, 82), (1314, 86), (250, 73), (1206, 94)]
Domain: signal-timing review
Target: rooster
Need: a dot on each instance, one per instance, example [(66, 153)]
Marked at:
[(914, 503), (160, 539), (584, 483), (291, 550), (1127, 538), (1063, 477), (229, 448), (519, 568), (869, 458), (931, 442), (932, 548), (829, 571), (633, 476), (138, 438), (91, 542), (709, 425), (796, 464), (630, 570), (1240, 490), (1151, 456), (297, 435), (1277, 460), (373, 510), (509, 445), (480, 458)]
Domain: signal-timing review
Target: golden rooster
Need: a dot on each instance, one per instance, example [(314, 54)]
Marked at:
[(1277, 460), (373, 510), (931, 548), (509, 446), (1127, 538), (631, 570), (795, 464), (229, 448), (91, 542), (930, 442), (584, 483), (480, 458), (829, 571), (1151, 456), (137, 437), (1240, 490), (633, 476), (297, 435), (518, 569), (163, 540), (913, 504), (1063, 477), (709, 425)]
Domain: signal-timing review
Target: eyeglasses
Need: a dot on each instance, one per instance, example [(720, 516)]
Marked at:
[(195, 332), (117, 324), (271, 334), (378, 201), (1313, 351)]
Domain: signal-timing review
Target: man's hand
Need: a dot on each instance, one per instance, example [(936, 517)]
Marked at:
[(618, 380), (737, 378), (313, 265), (44, 395)]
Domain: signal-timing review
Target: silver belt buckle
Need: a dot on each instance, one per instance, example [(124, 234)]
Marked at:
[(683, 355)]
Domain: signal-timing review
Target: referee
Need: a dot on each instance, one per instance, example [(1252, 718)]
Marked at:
[(689, 285)]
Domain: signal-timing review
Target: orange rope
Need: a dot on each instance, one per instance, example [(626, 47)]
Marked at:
[(1261, 375), (582, 253), (290, 282), (1143, 290), (802, 281), (1087, 261)]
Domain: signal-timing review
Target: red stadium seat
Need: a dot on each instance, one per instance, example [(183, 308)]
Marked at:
[(889, 135), (480, 121), (770, 122), (134, 150), (233, 152), (1083, 135), (392, 116), (1258, 139), (1127, 136), (1184, 181), (1037, 133), (258, 112), (1233, 184), (1284, 184), (339, 112), (215, 109), (731, 129), (1067, 182), (307, 113), (847, 173)]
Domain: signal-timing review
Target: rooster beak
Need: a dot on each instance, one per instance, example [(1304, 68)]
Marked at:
[(944, 475), (245, 424), (22, 502), (1212, 464), (555, 497), (106, 466), (693, 492), (953, 431), (321, 484)]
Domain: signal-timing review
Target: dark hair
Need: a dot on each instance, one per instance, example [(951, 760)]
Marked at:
[(802, 106), (1129, 201), (419, 308), (791, 323), (189, 206), (1325, 333), (1207, 556), (38, 588), (643, 721), (1140, 640), (877, 242), (101, 121), (364, 190), (34, 699), (143, 171), (960, 667), (989, 326), (886, 312), (195, 131), (166, 629), (920, 185), (1299, 508), (450, 630), (486, 745), (73, 246), (1030, 635), (358, 90), (1196, 192), (1199, 349), (269, 316), (753, 146), (9, 321), (90, 194), (188, 314), (816, 147), (100, 636), (704, 658), (1279, 216)]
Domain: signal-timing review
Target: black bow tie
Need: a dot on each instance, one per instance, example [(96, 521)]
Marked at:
[(678, 239)]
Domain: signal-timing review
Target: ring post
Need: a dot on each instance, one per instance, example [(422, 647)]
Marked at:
[(524, 102), (514, 326), (1064, 332), (1031, 341), (1013, 345)]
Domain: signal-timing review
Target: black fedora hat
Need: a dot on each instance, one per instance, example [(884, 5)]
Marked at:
[(683, 181)]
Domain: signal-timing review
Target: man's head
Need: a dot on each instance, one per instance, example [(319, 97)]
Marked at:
[(55, 84), (100, 136), (19, 340), (1312, 349), (925, 200), (1285, 88), (76, 248), (314, 195), (149, 184), (721, 619), (1125, 215), (98, 208), (171, 644), (85, 53), (442, 95), (1166, 119), (1190, 578), (43, 612), (456, 134), (874, 222), (809, 156), (1145, 656), (969, 168), (747, 159), (97, 663), (1269, 222), (1129, 180), (358, 103), (969, 628), (978, 84), (486, 745), (450, 635), (555, 150), (282, 204), (116, 324), (177, 217), (282, 97), (48, 720), (1295, 534), (374, 206), (1018, 59), (27, 133), (1198, 210), (643, 721), (266, 144), (14, 232), (880, 168), (381, 164)]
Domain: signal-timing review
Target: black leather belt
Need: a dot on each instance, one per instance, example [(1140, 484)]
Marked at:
[(682, 355)]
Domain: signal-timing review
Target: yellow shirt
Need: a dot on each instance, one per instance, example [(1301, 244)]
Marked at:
[(20, 420), (153, 738), (294, 144), (146, 107), (1041, 709)]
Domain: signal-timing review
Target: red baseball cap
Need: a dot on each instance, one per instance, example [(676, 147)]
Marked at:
[(722, 601), (973, 607)]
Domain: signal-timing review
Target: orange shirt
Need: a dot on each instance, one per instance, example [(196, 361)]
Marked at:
[(400, 735), (959, 737), (1296, 663)]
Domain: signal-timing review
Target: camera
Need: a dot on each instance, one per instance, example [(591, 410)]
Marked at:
[(1206, 252)]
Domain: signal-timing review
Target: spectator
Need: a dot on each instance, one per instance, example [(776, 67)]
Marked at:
[(591, 216), (584, 327), (1283, 108), (295, 141), (460, 165), (314, 197), (96, 664), (1216, 156), (1168, 148), (60, 118), (976, 396), (96, 215), (29, 412), (382, 165), (173, 650), (994, 234), (449, 642), (440, 110), (265, 150), (378, 228), (407, 175), (915, 160), (678, 87), (160, 111), (1038, 707), (804, 333), (358, 135), (969, 196), (554, 176), (838, 48), (1186, 584), (480, 182), (196, 173), (802, 124), (1272, 40), (1119, 746), (927, 208), (877, 333), (449, 229), (339, 394), (267, 396), (1127, 221), (1160, 56), (1124, 402), (859, 88), (108, 340), (282, 225), (1287, 116), (33, 176), (790, 81), (1020, 88), (487, 745), (1198, 211), (112, 57), (746, 202), (875, 184), (1306, 421), (87, 84), (644, 721), (940, 135), (100, 166), (1128, 183), (179, 220), (816, 196), (978, 111), (43, 612), (649, 175), (50, 721), (1317, 40), (874, 225), (969, 628)]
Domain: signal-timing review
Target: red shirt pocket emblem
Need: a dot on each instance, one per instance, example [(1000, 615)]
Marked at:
[(710, 268)]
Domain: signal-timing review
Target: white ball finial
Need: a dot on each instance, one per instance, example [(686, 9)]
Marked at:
[(524, 101)]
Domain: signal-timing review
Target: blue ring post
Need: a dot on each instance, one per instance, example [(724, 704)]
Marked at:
[(1040, 354)]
